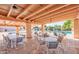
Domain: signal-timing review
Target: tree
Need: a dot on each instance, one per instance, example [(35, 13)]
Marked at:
[(67, 25), (57, 27), (36, 28), (52, 28)]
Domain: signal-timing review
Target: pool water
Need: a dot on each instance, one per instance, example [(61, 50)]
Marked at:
[(68, 32)]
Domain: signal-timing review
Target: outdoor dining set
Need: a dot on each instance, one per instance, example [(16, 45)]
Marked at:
[(12, 40), (52, 42)]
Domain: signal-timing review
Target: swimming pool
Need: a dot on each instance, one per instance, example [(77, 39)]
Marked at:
[(68, 32)]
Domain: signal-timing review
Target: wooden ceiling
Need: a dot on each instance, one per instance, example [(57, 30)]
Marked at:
[(33, 12)]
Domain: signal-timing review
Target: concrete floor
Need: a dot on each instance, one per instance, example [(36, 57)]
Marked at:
[(33, 47)]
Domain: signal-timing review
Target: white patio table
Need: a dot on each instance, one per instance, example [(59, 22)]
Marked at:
[(13, 39), (50, 39)]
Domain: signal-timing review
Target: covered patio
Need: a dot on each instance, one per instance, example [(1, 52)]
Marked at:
[(30, 15)]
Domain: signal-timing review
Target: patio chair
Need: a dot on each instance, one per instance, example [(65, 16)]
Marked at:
[(55, 47), (20, 41), (6, 43), (39, 47)]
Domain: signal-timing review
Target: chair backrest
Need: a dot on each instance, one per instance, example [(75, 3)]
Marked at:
[(5, 38), (52, 45), (60, 38), (42, 42), (19, 39)]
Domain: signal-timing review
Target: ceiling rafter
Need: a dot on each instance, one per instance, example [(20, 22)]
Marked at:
[(10, 18), (3, 9), (50, 15), (55, 17), (35, 12), (50, 11), (48, 6), (27, 10), (73, 12), (58, 18), (11, 8)]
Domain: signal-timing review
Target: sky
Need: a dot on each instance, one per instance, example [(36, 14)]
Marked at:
[(56, 23)]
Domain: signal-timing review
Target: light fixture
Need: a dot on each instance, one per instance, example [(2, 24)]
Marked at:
[(14, 6)]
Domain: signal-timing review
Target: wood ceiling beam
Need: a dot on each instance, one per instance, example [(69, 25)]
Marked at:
[(3, 9), (50, 11), (55, 14), (10, 18), (71, 14), (59, 17), (42, 9), (9, 25), (27, 10), (9, 13)]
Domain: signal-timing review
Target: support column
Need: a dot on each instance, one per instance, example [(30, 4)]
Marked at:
[(28, 30), (17, 31), (43, 28), (76, 28)]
